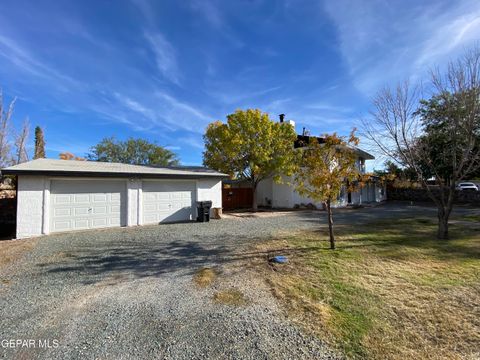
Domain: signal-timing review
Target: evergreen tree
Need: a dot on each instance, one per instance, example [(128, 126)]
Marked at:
[(39, 144)]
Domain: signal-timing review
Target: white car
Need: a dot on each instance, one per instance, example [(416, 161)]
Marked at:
[(467, 186)]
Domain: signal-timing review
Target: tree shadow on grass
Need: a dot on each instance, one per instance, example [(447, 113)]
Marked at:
[(360, 216), (403, 240), (394, 232)]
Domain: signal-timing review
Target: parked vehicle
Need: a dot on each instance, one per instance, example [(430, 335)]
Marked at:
[(467, 186)]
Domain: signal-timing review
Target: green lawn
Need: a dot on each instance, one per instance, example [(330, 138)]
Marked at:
[(390, 290)]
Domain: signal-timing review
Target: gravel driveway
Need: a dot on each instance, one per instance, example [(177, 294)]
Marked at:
[(128, 293)]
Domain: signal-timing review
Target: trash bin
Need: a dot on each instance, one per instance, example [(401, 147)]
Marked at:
[(203, 211)]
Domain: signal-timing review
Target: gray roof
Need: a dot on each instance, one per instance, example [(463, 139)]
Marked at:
[(97, 168), (364, 154)]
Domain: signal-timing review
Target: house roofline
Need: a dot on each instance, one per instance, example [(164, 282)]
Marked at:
[(110, 174)]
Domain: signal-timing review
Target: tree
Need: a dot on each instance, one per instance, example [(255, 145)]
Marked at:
[(438, 115), (39, 152), (252, 147), (132, 151), (439, 137), (396, 176), (21, 139), (69, 156), (5, 128), (325, 170)]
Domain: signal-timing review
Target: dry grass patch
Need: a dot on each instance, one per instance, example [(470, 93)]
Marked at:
[(389, 292), (205, 277), (11, 250), (230, 297)]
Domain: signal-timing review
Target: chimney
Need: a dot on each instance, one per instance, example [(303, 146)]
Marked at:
[(282, 117)]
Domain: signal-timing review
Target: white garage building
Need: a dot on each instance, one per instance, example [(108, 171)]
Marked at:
[(64, 195)]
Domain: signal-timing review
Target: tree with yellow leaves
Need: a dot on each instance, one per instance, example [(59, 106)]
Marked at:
[(325, 169), (252, 147), (69, 156)]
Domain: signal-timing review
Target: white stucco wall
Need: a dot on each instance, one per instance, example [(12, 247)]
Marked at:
[(282, 193), (134, 202), (264, 192), (210, 189), (30, 205)]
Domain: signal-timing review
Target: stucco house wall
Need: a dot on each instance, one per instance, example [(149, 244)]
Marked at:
[(30, 204), (284, 195), (264, 192), (210, 189)]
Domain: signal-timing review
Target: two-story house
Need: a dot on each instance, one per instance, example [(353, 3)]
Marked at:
[(283, 195)]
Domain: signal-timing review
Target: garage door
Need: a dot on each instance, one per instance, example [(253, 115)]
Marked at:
[(87, 204), (166, 201)]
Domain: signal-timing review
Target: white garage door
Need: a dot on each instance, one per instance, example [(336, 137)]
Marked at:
[(87, 204), (166, 201)]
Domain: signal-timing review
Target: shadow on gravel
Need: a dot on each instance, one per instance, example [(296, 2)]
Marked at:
[(348, 216), (91, 257)]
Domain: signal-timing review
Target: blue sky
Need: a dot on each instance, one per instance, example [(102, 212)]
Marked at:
[(163, 70)]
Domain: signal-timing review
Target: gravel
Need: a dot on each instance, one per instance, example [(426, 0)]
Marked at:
[(128, 293)]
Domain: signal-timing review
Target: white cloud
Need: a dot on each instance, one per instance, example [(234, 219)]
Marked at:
[(135, 106), (209, 11), (193, 141), (165, 56), (384, 41), (214, 17), (24, 61), (152, 112), (323, 106), (181, 114), (146, 10), (230, 94)]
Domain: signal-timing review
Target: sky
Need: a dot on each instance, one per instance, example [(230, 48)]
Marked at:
[(163, 69)]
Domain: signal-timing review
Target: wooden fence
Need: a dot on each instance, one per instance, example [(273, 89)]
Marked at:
[(237, 198)]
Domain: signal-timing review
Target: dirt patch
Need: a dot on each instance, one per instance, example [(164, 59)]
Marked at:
[(205, 277), (12, 250), (230, 297)]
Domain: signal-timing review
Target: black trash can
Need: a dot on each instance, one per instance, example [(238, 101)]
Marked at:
[(203, 211)]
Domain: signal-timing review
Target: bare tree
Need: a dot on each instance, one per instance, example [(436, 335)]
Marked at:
[(21, 154), (436, 138), (5, 129)]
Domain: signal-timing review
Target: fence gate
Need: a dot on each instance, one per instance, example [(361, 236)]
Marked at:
[(237, 198)]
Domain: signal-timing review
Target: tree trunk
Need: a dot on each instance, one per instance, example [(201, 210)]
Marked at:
[(444, 208), (330, 224), (443, 215), (254, 197)]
